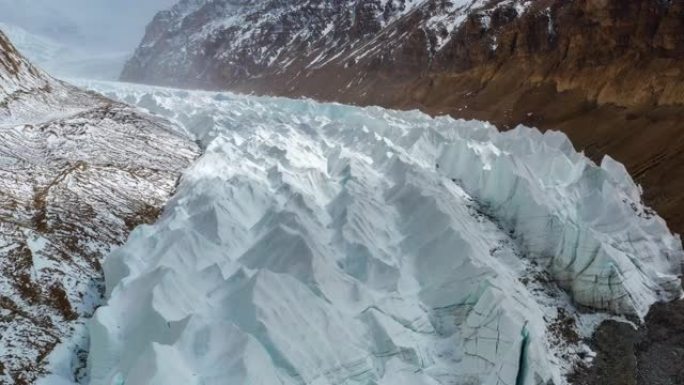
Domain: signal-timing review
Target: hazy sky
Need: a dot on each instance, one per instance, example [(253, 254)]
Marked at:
[(96, 25)]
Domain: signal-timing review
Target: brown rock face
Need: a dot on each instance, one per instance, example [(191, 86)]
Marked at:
[(609, 73)]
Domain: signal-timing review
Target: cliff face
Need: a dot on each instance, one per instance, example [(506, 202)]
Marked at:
[(609, 73)]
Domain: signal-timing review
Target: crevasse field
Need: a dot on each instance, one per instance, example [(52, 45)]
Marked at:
[(324, 244)]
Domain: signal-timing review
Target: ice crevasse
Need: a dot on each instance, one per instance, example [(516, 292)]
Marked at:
[(327, 244)]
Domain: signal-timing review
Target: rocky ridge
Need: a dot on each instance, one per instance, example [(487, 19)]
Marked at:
[(78, 173)]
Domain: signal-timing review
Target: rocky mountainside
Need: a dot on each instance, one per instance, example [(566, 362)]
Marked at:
[(609, 73), (77, 173), (26, 92)]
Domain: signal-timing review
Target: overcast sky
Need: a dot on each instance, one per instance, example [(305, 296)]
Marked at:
[(96, 25)]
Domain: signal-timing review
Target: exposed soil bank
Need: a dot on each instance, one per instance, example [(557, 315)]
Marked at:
[(650, 355)]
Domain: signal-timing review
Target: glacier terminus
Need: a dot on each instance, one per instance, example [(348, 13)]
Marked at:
[(327, 244)]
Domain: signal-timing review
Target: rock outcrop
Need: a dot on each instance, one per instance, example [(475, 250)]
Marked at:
[(609, 73)]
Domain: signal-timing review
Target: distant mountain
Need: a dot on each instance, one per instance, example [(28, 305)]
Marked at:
[(231, 43), (62, 60), (92, 25), (38, 49), (79, 172), (610, 73)]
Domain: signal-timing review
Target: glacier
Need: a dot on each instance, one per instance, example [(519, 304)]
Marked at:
[(329, 244)]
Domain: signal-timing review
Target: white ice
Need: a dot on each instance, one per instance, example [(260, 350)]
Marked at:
[(328, 244)]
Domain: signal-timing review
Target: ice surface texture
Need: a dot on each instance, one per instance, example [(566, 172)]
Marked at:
[(326, 244)]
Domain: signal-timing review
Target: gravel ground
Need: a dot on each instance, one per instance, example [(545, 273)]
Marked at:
[(651, 355)]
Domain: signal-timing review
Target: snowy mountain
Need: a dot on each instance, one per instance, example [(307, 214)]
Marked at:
[(65, 61), (608, 73), (37, 49), (328, 244), (224, 43), (78, 172)]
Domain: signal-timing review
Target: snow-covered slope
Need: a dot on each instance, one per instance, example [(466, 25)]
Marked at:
[(326, 244), (28, 94), (223, 43), (18, 78), (77, 173)]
